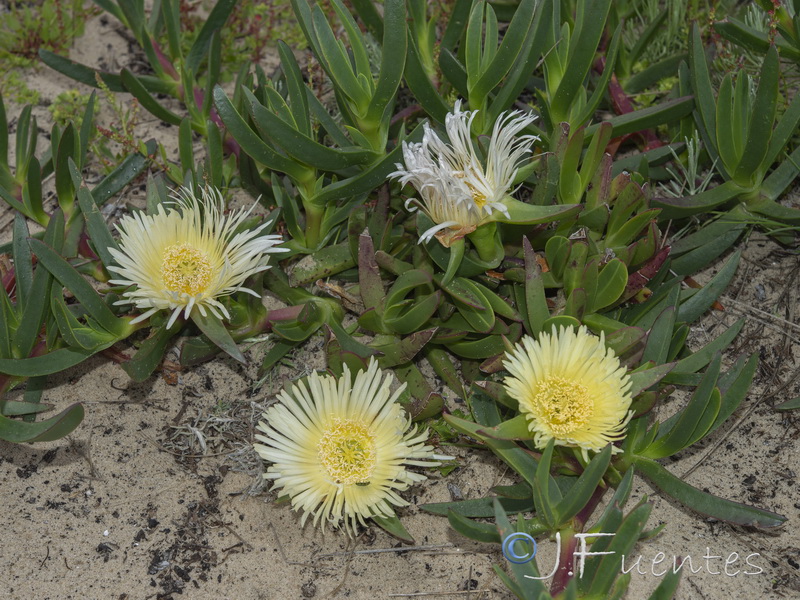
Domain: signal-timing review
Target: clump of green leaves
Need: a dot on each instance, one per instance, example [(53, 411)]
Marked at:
[(26, 28), (69, 106), (187, 72), (253, 30), (750, 146), (14, 87), (765, 24)]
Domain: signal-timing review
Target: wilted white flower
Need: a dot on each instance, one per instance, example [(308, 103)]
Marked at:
[(188, 256), (458, 191)]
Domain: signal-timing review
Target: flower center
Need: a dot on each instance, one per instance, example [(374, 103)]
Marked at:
[(564, 405), (347, 451), (185, 269), (469, 176), (478, 197)]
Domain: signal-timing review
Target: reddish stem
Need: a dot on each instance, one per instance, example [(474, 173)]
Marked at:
[(406, 113), (230, 144), (84, 249), (9, 280), (622, 105), (165, 63), (566, 559)]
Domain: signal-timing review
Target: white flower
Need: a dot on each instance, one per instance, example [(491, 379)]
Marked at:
[(340, 450), (458, 191), (188, 256)]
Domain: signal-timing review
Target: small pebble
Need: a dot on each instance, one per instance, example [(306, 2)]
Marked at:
[(456, 494)]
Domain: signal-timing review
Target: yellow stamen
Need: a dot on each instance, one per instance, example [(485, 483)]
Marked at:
[(185, 269), (563, 404), (478, 197), (347, 451)]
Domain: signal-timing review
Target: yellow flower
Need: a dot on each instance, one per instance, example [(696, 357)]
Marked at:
[(188, 256), (340, 450), (571, 388)]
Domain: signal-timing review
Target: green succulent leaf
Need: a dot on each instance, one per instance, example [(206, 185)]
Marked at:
[(397, 353), (130, 168), (302, 147), (706, 113), (607, 567), (699, 359), (694, 307), (739, 33), (47, 364), (536, 309), (589, 26), (394, 527), (81, 73), (528, 584), (482, 532), (512, 429), (646, 118), (642, 380), (499, 61), (213, 23), (792, 404), (734, 386), (214, 329), (253, 145), (693, 422), (659, 338), (151, 353), (703, 502), (479, 507), (133, 85), (586, 485), (515, 457), (393, 51), (15, 408), (761, 121), (48, 430), (368, 179), (80, 288), (546, 495), (611, 283), (676, 208), (34, 313), (601, 86), (23, 260)]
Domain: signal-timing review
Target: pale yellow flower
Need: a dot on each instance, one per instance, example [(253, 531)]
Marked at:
[(571, 388), (340, 449), (189, 255)]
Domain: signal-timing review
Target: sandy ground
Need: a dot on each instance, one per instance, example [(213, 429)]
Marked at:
[(131, 506)]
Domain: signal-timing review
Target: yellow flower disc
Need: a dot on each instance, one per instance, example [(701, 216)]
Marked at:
[(347, 451), (185, 269), (565, 405)]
